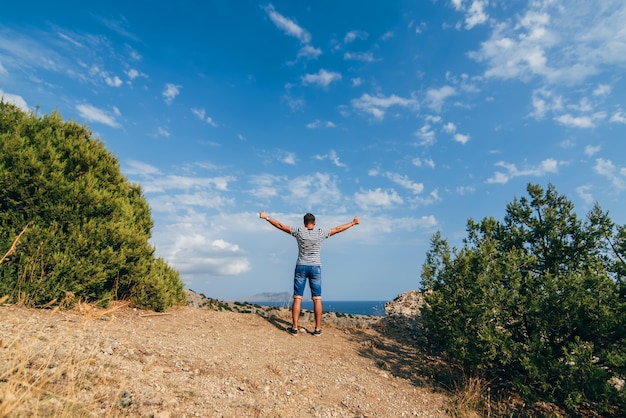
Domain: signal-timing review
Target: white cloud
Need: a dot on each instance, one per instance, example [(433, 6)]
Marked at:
[(310, 52), (27, 50), (618, 117), (461, 138), (265, 185), (387, 35), (561, 42), (113, 81), (449, 128), (591, 150), (170, 92), (427, 135), (93, 114), (14, 99), (435, 98), (465, 190), (333, 157), (575, 121), (193, 252), (545, 101), (546, 166), (201, 114), (427, 222), (602, 90), (476, 14), (201, 199), (584, 105), (615, 175), (354, 35), (289, 158), (134, 167), (419, 28), (373, 199), (499, 178), (312, 191), (404, 181), (161, 131), (291, 28), (132, 73), (419, 162), (322, 78), (433, 197), (293, 103), (359, 56), (287, 25), (391, 225), (377, 106), (161, 184), (584, 192), (316, 124), (132, 52)]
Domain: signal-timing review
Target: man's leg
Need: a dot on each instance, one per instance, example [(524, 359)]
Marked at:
[(299, 280), (315, 282), (295, 311), (317, 311)]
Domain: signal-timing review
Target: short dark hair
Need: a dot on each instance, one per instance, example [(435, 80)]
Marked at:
[(309, 218)]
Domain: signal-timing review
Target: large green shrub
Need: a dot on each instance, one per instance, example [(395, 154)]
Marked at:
[(536, 301), (90, 225)]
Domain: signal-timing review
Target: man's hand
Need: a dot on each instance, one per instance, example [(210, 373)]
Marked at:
[(275, 222), (342, 228)]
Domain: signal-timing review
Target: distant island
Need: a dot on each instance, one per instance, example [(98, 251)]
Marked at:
[(267, 297)]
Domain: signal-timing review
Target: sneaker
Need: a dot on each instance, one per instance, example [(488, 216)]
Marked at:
[(292, 331), (317, 332)]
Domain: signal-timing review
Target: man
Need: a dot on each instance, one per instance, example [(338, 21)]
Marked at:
[(308, 265)]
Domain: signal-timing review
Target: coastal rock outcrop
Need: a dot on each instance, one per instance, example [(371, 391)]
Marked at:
[(404, 314), (408, 305)]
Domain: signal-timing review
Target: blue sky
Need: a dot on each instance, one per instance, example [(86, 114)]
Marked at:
[(413, 115)]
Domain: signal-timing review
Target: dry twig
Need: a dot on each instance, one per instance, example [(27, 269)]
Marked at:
[(15, 243), (154, 314)]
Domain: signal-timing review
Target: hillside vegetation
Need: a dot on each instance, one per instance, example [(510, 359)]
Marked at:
[(535, 303), (84, 227)]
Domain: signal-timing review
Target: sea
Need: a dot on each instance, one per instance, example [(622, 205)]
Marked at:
[(348, 307)]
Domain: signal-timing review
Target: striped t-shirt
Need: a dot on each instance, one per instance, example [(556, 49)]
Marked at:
[(309, 244)]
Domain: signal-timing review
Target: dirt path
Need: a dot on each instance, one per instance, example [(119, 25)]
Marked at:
[(193, 362)]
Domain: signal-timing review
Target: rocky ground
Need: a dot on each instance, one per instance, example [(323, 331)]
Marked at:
[(194, 361)]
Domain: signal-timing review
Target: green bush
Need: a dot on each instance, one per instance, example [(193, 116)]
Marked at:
[(90, 226), (536, 301)]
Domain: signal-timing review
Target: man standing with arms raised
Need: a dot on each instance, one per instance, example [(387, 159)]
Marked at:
[(309, 264)]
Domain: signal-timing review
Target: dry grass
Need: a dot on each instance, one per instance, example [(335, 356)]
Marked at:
[(44, 378), (472, 396)]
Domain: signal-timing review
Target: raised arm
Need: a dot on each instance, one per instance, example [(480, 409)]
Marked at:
[(343, 227), (281, 226)]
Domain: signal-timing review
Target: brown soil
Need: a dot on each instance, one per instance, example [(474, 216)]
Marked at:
[(197, 362)]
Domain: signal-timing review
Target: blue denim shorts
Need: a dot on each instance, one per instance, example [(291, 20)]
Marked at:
[(302, 273)]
